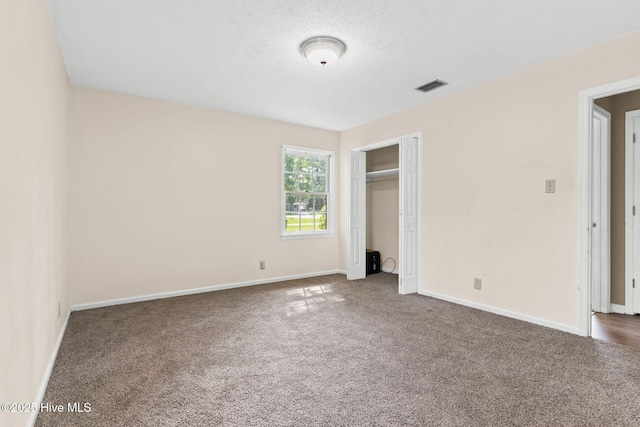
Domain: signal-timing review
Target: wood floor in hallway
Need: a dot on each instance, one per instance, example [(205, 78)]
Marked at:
[(619, 328)]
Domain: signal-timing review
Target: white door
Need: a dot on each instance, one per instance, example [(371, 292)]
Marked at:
[(600, 212), (633, 215), (408, 280), (356, 242)]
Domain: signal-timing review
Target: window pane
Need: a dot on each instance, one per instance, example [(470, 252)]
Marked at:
[(320, 212), (306, 212), (290, 199), (290, 182), (290, 162), (293, 223), (319, 202), (319, 165), (305, 182), (304, 164), (292, 216), (319, 184)]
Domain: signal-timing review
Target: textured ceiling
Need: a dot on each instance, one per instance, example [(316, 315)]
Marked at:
[(242, 56)]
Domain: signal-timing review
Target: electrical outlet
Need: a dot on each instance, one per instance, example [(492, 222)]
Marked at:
[(262, 265), (550, 186), (477, 283)]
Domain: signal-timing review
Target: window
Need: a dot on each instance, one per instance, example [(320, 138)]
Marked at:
[(307, 182)]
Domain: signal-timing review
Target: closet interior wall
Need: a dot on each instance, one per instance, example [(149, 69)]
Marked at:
[(383, 200)]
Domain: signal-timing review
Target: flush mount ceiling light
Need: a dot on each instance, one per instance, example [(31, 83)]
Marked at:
[(323, 50)]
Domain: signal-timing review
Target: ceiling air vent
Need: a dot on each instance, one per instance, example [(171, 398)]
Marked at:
[(431, 86)]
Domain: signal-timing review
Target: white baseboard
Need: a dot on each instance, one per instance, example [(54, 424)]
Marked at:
[(390, 270), (99, 304), (47, 373), (617, 308), (503, 312)]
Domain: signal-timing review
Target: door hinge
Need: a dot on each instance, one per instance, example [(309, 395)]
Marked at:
[(633, 283), (634, 138), (634, 211)]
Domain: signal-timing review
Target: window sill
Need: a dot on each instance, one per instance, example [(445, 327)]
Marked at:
[(306, 236)]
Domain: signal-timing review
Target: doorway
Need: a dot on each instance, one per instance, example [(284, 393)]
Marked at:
[(409, 205), (595, 240)]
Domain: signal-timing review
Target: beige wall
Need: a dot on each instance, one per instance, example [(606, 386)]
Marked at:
[(486, 153), (166, 197), (618, 105), (383, 205), (33, 118)]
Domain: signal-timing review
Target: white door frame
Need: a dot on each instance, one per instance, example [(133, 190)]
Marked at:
[(631, 199), (601, 212), (585, 106), (387, 143)]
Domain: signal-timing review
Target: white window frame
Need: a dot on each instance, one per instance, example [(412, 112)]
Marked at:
[(329, 232)]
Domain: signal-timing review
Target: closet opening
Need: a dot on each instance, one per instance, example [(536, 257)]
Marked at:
[(384, 209)]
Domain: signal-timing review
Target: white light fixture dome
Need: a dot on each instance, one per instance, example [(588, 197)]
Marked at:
[(323, 50)]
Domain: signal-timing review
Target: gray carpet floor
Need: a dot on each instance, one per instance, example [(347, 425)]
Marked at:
[(328, 352)]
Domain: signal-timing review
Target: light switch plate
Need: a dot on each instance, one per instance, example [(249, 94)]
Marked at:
[(550, 186)]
